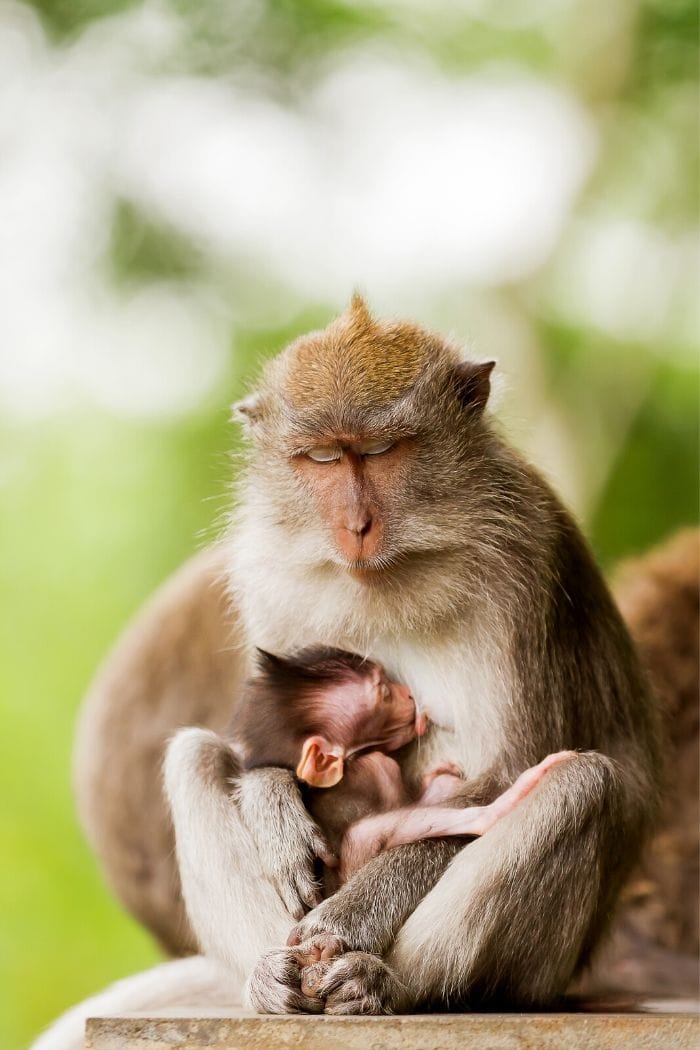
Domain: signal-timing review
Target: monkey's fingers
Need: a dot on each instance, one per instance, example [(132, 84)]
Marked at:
[(306, 894), (298, 890), (323, 851)]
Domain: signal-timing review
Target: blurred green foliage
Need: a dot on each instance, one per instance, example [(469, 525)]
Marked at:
[(96, 510), (141, 249)]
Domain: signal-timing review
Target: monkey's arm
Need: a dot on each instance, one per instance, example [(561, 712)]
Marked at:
[(287, 839), (245, 847)]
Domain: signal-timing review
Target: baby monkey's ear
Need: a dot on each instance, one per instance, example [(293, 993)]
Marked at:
[(321, 763)]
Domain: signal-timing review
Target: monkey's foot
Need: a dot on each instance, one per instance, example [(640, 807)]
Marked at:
[(321, 948), (275, 985), (358, 983), (314, 956)]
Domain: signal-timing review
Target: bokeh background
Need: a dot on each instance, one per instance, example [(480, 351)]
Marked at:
[(185, 185)]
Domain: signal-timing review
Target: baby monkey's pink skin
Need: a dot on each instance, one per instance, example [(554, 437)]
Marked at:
[(428, 818)]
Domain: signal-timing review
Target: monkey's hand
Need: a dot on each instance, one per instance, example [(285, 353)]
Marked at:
[(372, 906), (284, 980), (357, 983), (287, 839)]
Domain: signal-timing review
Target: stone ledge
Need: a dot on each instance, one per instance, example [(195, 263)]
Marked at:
[(667, 1025)]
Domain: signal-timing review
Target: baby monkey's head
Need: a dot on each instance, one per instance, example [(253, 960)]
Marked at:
[(312, 711)]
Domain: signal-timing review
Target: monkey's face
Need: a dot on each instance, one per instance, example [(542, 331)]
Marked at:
[(356, 483), (367, 438), (385, 714)]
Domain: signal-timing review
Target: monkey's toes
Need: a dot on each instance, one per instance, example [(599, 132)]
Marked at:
[(359, 983), (311, 977), (322, 947), (274, 987)]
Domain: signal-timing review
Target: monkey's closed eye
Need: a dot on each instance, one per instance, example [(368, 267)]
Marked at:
[(375, 448), (323, 455)]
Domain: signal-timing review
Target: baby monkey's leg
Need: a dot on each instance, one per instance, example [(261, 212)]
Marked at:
[(428, 819), (517, 791), (432, 821)]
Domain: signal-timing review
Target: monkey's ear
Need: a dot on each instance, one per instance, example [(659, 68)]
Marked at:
[(321, 763), (249, 410), (474, 383)]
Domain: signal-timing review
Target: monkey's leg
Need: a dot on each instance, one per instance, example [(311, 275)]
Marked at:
[(515, 914), (179, 663), (245, 847), (518, 912), (435, 815)]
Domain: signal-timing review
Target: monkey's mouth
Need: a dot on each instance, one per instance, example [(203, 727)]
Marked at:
[(368, 568), (421, 723)]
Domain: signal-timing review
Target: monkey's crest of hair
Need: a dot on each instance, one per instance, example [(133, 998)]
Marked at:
[(357, 375), (357, 359)]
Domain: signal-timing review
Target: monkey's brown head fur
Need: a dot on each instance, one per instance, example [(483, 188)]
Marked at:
[(356, 426), (356, 361), (358, 373)]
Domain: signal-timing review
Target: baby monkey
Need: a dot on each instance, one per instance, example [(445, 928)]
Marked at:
[(332, 717)]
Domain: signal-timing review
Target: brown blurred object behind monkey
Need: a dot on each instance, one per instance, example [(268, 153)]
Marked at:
[(654, 946)]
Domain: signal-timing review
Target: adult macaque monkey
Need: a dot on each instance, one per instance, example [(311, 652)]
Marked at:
[(382, 513)]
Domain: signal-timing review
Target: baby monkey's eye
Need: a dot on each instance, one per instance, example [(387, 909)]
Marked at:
[(375, 447), (321, 454)]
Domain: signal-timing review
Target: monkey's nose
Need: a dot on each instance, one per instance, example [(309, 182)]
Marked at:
[(360, 537), (360, 527)]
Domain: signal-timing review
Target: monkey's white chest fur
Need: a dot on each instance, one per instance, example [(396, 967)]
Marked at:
[(461, 681), (460, 687)]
